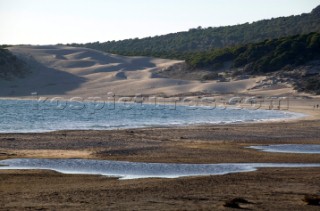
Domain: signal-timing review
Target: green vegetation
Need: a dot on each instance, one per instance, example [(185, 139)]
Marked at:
[(282, 55), (254, 48), (181, 45), (4, 46), (10, 65), (263, 57)]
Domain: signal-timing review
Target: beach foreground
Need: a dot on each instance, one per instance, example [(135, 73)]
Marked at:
[(269, 189)]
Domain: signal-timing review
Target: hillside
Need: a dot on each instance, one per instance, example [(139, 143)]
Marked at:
[(294, 60), (10, 66), (179, 45), (263, 57), (69, 72)]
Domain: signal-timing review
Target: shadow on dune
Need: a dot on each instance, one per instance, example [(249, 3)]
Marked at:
[(58, 70), (140, 63), (130, 65), (43, 80)]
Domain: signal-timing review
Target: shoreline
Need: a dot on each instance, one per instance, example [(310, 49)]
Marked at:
[(177, 126), (127, 143), (203, 144), (38, 189), (299, 113)]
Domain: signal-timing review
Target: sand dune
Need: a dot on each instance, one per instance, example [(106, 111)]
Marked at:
[(69, 71)]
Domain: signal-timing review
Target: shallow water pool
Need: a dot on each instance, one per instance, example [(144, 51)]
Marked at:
[(290, 148), (134, 170)]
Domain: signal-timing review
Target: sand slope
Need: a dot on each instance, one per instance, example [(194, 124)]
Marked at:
[(69, 71)]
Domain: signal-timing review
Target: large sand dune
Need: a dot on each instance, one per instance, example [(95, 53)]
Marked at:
[(69, 71)]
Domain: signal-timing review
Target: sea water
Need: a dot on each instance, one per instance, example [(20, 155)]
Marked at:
[(24, 116)]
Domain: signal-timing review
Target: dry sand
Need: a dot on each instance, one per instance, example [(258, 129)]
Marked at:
[(68, 71)]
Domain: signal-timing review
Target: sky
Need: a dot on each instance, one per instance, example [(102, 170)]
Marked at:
[(68, 21)]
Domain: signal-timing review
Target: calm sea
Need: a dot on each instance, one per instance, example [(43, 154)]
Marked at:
[(32, 116)]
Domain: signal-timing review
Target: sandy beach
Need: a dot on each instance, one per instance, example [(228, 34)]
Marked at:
[(145, 105), (46, 190), (84, 72)]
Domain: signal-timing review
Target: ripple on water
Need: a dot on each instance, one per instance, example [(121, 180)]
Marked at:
[(34, 116), (133, 170)]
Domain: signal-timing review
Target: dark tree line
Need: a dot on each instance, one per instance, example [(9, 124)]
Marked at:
[(282, 55), (262, 57), (180, 45)]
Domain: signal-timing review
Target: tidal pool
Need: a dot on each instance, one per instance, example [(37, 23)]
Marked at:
[(290, 148), (134, 170)]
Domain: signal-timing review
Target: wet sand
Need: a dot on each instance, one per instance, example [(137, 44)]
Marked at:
[(267, 189), (273, 189)]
